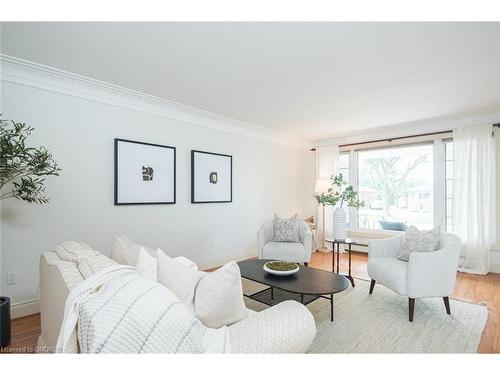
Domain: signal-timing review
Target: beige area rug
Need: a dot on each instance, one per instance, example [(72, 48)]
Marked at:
[(378, 323)]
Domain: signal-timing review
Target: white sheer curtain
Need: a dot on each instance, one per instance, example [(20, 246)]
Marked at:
[(474, 208), (326, 166)]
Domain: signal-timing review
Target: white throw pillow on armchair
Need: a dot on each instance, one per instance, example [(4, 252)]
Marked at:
[(218, 301)]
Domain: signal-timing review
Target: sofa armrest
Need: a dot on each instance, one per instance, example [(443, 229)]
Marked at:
[(287, 327), (387, 247)]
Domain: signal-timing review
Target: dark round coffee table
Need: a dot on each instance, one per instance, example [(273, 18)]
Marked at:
[(308, 284)]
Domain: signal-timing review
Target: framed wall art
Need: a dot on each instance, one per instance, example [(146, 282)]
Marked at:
[(144, 173), (211, 177)]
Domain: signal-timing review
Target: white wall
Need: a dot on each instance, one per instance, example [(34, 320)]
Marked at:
[(267, 178), (309, 204)]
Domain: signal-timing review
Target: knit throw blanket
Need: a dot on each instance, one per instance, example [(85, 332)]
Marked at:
[(116, 310)]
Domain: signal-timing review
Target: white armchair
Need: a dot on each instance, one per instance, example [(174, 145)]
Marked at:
[(299, 252), (430, 274)]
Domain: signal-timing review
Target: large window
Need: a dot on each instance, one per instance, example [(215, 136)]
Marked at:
[(396, 185), (402, 185)]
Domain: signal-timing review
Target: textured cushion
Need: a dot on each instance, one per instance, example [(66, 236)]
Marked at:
[(180, 278), (287, 251), (125, 251), (390, 272), (90, 265), (74, 250), (219, 297), (285, 328), (286, 230), (146, 265), (417, 241)]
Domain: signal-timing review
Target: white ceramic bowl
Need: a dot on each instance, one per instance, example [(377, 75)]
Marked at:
[(280, 273)]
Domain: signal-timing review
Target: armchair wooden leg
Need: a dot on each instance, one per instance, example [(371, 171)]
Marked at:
[(411, 308), (447, 305), (306, 264), (372, 285)]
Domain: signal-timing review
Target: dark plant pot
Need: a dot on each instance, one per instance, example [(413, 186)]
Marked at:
[(4, 321)]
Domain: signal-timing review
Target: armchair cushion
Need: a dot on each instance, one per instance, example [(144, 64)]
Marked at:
[(417, 241), (390, 272), (286, 251)]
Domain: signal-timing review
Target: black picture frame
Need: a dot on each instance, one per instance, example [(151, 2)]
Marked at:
[(116, 156), (193, 166)]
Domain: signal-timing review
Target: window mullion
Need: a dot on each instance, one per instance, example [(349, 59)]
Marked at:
[(353, 180), (439, 186)]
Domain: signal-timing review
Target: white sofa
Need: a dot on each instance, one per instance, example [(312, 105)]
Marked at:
[(431, 274), (285, 328), (299, 252)]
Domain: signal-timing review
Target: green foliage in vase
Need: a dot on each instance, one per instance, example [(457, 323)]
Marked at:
[(340, 193), (22, 168)]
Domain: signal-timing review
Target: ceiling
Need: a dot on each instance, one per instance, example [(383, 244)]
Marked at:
[(308, 80)]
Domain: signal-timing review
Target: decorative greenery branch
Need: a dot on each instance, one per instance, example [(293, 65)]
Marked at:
[(22, 168), (339, 193)]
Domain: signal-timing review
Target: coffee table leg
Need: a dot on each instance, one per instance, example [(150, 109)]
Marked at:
[(331, 307), (272, 293), (302, 299)]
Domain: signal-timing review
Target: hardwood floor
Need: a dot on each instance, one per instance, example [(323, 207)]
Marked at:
[(24, 335), (485, 289)]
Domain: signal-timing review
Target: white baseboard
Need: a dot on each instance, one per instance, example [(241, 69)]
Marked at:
[(208, 264), (495, 268), (495, 261), (21, 309)]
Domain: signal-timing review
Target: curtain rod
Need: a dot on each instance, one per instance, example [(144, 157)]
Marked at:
[(396, 138)]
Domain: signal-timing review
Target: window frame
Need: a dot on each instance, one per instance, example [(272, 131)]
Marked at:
[(439, 215)]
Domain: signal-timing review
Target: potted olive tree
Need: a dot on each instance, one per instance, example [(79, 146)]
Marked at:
[(22, 176), (339, 194)]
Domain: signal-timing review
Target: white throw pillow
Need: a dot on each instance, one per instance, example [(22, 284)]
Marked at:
[(187, 262), (180, 278), (218, 301), (125, 251), (146, 265), (419, 241)]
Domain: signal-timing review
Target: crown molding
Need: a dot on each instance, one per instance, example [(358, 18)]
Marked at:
[(436, 124), (27, 73)]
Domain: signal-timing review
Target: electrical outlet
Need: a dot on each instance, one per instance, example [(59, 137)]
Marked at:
[(211, 244), (11, 277)]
